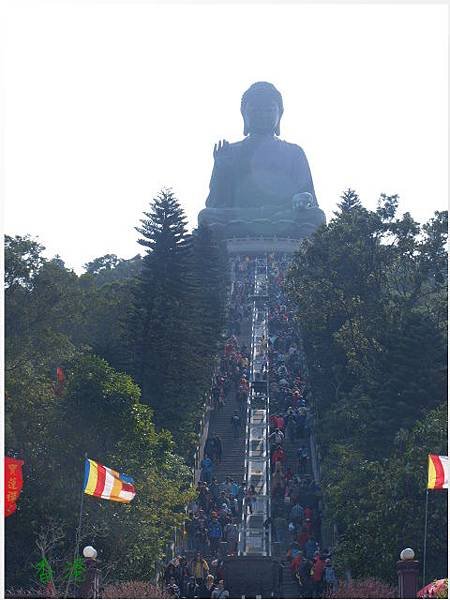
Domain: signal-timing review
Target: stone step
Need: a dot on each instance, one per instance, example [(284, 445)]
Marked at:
[(290, 586), (232, 464)]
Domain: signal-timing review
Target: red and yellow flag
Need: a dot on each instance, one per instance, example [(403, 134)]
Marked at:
[(13, 483), (106, 483), (437, 472)]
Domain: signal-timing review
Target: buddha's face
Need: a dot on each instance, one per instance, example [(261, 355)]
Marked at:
[(262, 115)]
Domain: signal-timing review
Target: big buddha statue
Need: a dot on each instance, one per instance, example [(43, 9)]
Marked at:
[(262, 185)]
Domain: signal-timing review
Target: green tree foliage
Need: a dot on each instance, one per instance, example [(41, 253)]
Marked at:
[(371, 292), (48, 313), (363, 285), (39, 297), (99, 413), (22, 261), (159, 319), (210, 273), (177, 318), (108, 262), (106, 309), (107, 287), (380, 505), (111, 269), (159, 322)]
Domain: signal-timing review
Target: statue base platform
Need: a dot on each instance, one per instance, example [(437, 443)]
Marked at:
[(260, 245)]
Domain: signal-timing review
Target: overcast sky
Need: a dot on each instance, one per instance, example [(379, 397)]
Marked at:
[(106, 102)]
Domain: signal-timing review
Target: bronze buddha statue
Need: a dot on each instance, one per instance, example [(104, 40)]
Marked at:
[(262, 185)]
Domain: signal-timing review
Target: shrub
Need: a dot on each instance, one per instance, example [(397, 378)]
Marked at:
[(39, 592), (364, 588), (133, 589), (443, 590)]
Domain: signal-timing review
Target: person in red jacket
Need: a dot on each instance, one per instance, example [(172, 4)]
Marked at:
[(278, 456), (289, 474), (280, 422), (303, 537), (308, 526), (296, 563), (317, 575), (308, 513)]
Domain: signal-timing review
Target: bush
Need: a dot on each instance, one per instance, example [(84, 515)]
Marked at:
[(39, 592), (443, 591), (364, 588), (133, 589)]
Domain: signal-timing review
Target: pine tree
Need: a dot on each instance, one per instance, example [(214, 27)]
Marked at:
[(178, 317), (210, 270), (159, 322)]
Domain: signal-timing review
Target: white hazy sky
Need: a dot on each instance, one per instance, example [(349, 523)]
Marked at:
[(106, 102)]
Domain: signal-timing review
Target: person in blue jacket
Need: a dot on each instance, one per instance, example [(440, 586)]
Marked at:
[(214, 533)]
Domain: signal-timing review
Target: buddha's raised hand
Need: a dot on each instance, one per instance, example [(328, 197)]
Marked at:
[(220, 150)]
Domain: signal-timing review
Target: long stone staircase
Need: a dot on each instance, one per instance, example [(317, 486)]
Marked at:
[(232, 464), (290, 586)]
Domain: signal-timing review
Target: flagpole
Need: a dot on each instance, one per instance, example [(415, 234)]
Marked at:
[(78, 534), (425, 540)]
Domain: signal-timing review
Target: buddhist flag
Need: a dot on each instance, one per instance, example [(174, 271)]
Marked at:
[(437, 472), (13, 483), (103, 482)]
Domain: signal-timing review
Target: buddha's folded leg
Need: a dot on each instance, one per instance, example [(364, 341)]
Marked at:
[(210, 216)]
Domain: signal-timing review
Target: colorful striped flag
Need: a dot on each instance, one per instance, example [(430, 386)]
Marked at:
[(437, 472), (103, 482)]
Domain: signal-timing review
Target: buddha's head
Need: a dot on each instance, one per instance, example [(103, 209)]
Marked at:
[(262, 108)]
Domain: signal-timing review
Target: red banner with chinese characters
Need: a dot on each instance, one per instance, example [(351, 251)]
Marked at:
[(13, 483)]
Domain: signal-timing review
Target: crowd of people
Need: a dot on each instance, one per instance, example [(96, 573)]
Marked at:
[(240, 307), (195, 578), (212, 524), (295, 516), (211, 535)]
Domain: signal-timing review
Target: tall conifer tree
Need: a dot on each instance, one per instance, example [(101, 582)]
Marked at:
[(210, 271), (178, 317), (159, 322)]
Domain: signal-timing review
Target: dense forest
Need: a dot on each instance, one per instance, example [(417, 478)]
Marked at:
[(371, 293), (136, 340)]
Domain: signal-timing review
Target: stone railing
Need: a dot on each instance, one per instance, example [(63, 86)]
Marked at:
[(254, 540)]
